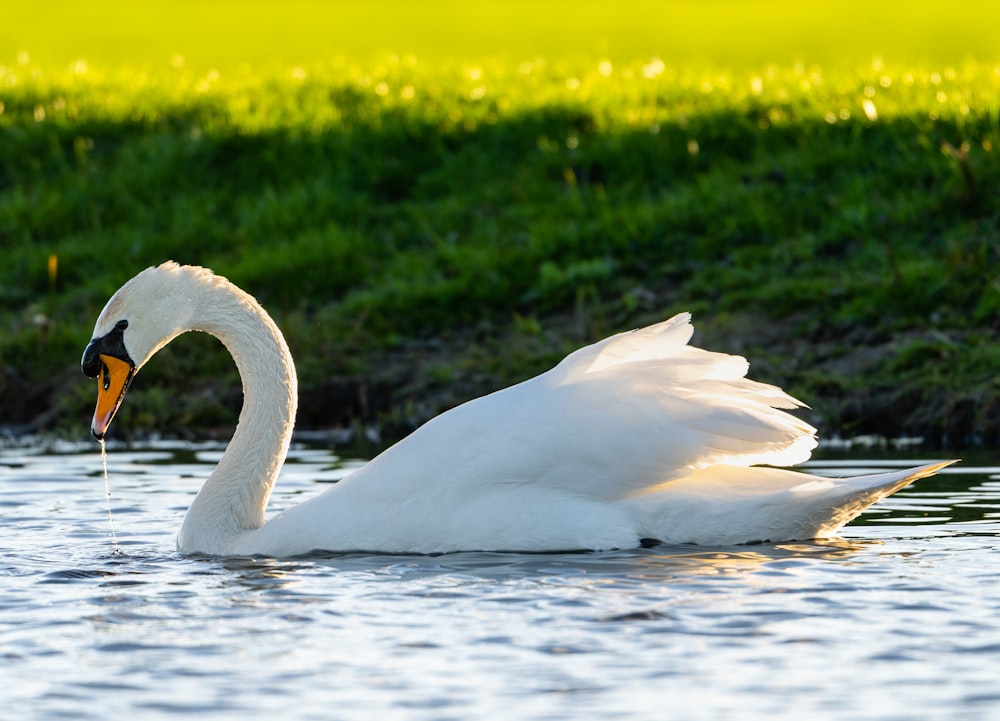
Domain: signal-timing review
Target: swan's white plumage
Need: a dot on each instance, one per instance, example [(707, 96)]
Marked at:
[(638, 436)]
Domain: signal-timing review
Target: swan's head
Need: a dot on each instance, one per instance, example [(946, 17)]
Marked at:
[(144, 315)]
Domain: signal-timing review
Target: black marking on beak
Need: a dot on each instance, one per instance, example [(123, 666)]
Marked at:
[(111, 344)]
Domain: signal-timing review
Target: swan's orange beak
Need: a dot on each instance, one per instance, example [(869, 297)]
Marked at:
[(115, 375)]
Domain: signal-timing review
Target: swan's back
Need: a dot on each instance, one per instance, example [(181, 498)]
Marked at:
[(613, 419), (638, 436)]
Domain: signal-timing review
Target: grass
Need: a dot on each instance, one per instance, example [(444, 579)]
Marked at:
[(425, 231)]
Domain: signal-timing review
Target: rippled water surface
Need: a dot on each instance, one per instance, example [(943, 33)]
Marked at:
[(898, 619)]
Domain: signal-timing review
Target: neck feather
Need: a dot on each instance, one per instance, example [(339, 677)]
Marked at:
[(234, 497)]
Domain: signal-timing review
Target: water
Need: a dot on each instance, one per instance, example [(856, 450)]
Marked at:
[(898, 619)]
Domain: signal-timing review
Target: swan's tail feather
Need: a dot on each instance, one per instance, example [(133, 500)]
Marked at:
[(860, 492), (733, 505)]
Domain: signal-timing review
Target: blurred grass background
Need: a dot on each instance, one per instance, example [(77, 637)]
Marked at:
[(438, 199)]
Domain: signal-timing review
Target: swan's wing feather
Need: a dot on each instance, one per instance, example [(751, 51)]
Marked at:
[(691, 408), (654, 342)]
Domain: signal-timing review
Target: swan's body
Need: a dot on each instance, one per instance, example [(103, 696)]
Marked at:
[(640, 436)]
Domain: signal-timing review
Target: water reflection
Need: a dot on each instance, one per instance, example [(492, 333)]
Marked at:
[(661, 564), (261, 574)]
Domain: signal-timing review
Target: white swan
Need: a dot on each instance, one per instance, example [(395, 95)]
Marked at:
[(639, 436)]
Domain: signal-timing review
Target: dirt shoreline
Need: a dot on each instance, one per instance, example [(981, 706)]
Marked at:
[(848, 385)]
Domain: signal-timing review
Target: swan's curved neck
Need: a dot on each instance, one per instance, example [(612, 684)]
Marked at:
[(234, 497)]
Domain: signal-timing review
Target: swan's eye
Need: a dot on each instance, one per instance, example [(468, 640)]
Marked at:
[(121, 325)]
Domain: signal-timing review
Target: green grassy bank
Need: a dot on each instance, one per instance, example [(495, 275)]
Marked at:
[(425, 232)]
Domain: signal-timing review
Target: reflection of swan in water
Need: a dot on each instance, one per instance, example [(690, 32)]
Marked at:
[(638, 566), (640, 436), (633, 567)]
